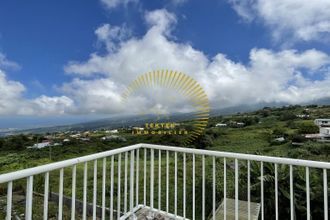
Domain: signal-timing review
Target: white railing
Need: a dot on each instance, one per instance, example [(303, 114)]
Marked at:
[(138, 177)]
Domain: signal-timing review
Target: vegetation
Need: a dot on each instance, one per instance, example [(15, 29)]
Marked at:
[(257, 136)]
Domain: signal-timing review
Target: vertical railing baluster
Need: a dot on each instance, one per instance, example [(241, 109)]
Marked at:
[(119, 181), (104, 173), (60, 198), (73, 195), (308, 205), (184, 185), (276, 192), (111, 186), (125, 184), (137, 177), (29, 198), (131, 178), (152, 179), (203, 187), (175, 184), (85, 192), (262, 190), (213, 187), (249, 189), (325, 191), (159, 179), (291, 193), (145, 178), (46, 193), (9, 199), (224, 189), (167, 181), (95, 189), (193, 188), (236, 189)]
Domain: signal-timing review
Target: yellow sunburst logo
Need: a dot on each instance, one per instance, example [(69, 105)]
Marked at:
[(183, 85)]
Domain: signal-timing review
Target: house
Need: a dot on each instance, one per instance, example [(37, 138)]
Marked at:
[(303, 116), (75, 135), (113, 137), (114, 131), (41, 145), (325, 132), (221, 125), (138, 128), (322, 122)]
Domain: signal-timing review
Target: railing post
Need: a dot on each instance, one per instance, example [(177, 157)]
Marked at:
[(224, 189), (325, 191), (276, 192), (29, 198), (46, 192), (291, 193), (159, 179), (193, 188), (104, 167), (152, 179), (137, 176), (203, 187), (73, 196), (175, 184), (111, 186), (248, 189), (236, 189), (262, 190), (118, 194), (167, 181), (95, 190), (213, 187), (9, 200), (60, 198), (125, 184), (145, 177), (132, 183), (85, 192), (184, 185)]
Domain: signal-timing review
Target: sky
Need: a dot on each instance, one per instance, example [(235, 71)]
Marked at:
[(70, 61)]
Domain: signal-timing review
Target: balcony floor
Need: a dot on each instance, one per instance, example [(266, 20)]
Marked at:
[(146, 213)]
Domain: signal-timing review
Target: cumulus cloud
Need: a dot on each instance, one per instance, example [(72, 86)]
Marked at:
[(12, 101), (300, 20), (269, 76), (289, 76)]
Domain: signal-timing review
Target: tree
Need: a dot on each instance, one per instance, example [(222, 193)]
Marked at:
[(308, 129)]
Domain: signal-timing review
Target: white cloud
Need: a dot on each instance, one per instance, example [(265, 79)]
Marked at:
[(110, 4), (10, 94), (269, 76), (111, 36), (12, 101), (289, 20), (5, 63)]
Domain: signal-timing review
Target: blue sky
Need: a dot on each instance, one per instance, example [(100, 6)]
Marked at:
[(58, 57)]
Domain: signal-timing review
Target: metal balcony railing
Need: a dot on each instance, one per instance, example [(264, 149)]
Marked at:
[(145, 181)]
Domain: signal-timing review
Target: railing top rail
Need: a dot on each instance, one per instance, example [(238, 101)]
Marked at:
[(62, 164), (67, 163), (269, 159)]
